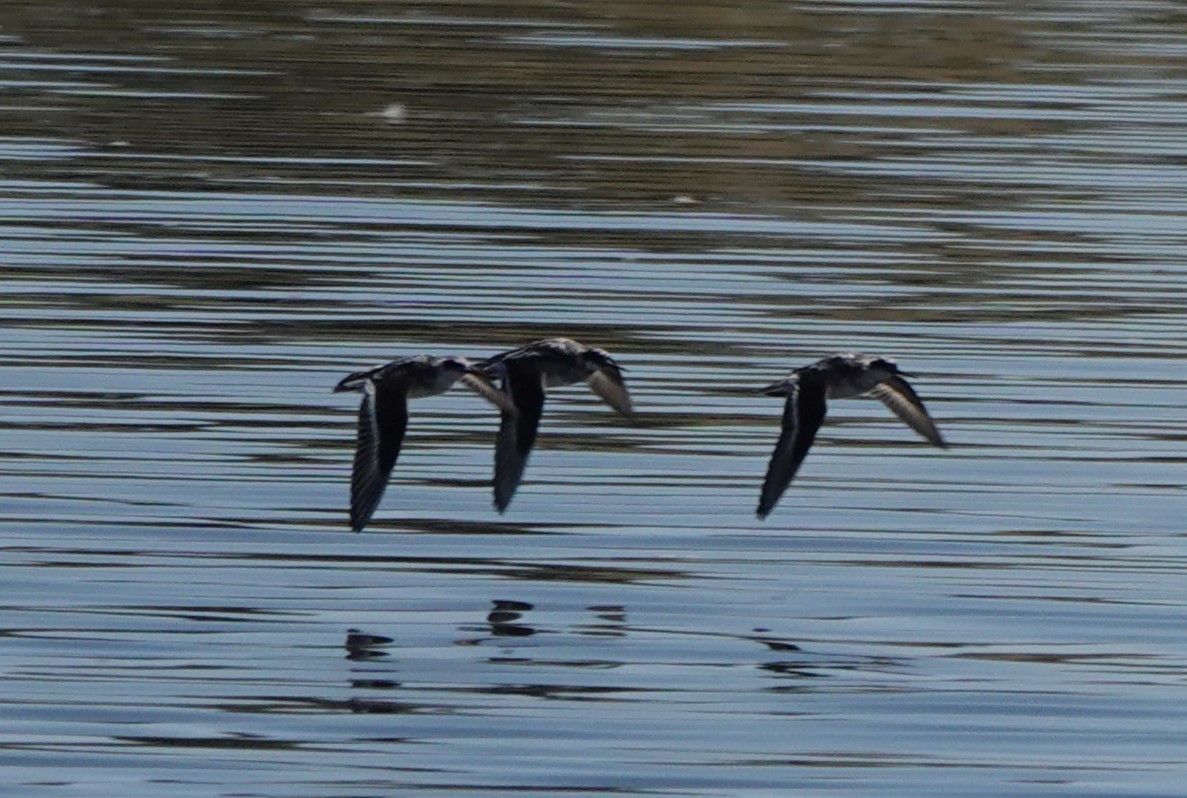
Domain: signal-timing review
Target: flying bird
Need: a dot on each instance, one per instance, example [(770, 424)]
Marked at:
[(525, 374), (383, 417), (838, 377)]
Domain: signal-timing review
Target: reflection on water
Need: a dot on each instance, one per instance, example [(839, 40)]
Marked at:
[(209, 216)]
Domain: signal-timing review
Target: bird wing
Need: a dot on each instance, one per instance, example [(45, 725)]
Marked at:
[(517, 430), (802, 416), (383, 419), (483, 387), (608, 384), (901, 398)]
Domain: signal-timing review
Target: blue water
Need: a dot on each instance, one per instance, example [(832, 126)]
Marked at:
[(208, 217)]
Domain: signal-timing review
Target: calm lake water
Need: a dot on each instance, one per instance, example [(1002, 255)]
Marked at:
[(210, 213)]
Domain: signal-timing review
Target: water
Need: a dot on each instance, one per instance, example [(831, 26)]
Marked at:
[(210, 216)]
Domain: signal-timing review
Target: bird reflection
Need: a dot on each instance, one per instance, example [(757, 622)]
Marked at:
[(783, 667), (613, 621), (374, 684), (362, 645), (504, 616)]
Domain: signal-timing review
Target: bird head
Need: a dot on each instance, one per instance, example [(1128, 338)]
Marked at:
[(888, 365), (457, 366)]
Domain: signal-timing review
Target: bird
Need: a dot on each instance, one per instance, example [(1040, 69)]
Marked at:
[(383, 417), (525, 374), (837, 377)]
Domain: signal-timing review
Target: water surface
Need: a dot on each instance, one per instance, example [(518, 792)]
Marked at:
[(209, 216)]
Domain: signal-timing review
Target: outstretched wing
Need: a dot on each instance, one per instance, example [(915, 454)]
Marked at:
[(901, 398), (609, 386), (383, 419), (802, 416), (517, 429), (480, 385)]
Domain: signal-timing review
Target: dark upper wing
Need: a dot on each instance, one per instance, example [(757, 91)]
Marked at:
[(607, 383), (802, 417), (502, 357), (901, 398), (383, 418), (517, 431)]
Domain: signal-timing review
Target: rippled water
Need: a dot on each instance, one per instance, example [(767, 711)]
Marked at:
[(209, 216)]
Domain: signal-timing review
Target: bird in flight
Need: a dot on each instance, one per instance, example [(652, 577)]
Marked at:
[(525, 374), (383, 417), (838, 377)]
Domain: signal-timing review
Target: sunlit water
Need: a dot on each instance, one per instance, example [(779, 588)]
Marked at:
[(211, 217)]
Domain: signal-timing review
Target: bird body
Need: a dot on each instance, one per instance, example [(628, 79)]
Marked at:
[(808, 390), (419, 376)]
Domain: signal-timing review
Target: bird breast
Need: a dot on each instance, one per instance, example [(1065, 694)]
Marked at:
[(857, 383), (437, 383), (565, 374)]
